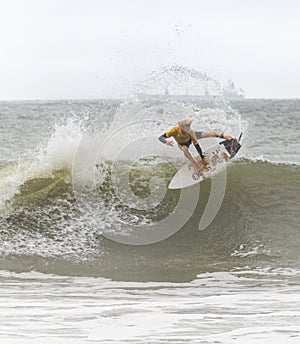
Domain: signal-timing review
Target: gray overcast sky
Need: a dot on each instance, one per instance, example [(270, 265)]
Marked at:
[(89, 49)]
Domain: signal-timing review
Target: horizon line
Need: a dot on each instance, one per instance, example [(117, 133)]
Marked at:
[(125, 98)]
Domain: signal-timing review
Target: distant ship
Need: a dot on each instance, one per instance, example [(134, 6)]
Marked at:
[(231, 92), (180, 96)]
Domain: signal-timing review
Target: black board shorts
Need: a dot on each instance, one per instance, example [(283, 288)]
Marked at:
[(188, 143)]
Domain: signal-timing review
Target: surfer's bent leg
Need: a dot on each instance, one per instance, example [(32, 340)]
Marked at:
[(187, 154), (199, 150)]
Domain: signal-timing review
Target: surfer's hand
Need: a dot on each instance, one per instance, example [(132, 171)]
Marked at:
[(204, 162), (170, 143), (228, 137)]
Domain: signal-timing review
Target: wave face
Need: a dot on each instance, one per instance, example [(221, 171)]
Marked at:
[(94, 171), (257, 222)]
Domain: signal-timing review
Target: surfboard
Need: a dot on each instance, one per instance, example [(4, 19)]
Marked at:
[(217, 157)]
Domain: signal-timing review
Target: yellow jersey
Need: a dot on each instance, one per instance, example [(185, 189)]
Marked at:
[(181, 136)]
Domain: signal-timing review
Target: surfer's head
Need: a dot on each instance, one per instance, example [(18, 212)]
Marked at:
[(185, 124)]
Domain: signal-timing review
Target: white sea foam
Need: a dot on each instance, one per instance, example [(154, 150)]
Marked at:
[(216, 307)]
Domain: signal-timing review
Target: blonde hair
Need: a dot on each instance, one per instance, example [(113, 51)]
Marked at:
[(185, 122)]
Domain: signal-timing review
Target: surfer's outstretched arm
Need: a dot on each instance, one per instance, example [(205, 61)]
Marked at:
[(205, 134)]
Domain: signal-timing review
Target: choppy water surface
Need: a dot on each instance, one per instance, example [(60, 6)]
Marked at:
[(63, 278)]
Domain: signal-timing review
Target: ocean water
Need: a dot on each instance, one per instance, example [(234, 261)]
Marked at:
[(96, 249)]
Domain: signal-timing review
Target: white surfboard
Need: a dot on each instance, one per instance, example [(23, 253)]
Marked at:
[(217, 157)]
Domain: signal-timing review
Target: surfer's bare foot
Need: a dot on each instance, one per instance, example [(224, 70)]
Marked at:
[(204, 162), (225, 156), (196, 167)]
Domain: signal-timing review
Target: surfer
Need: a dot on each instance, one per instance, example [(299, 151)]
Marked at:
[(184, 136)]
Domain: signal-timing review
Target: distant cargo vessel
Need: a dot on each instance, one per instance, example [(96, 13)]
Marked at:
[(231, 92)]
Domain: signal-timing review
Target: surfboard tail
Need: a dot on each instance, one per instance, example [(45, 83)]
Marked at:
[(232, 146)]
